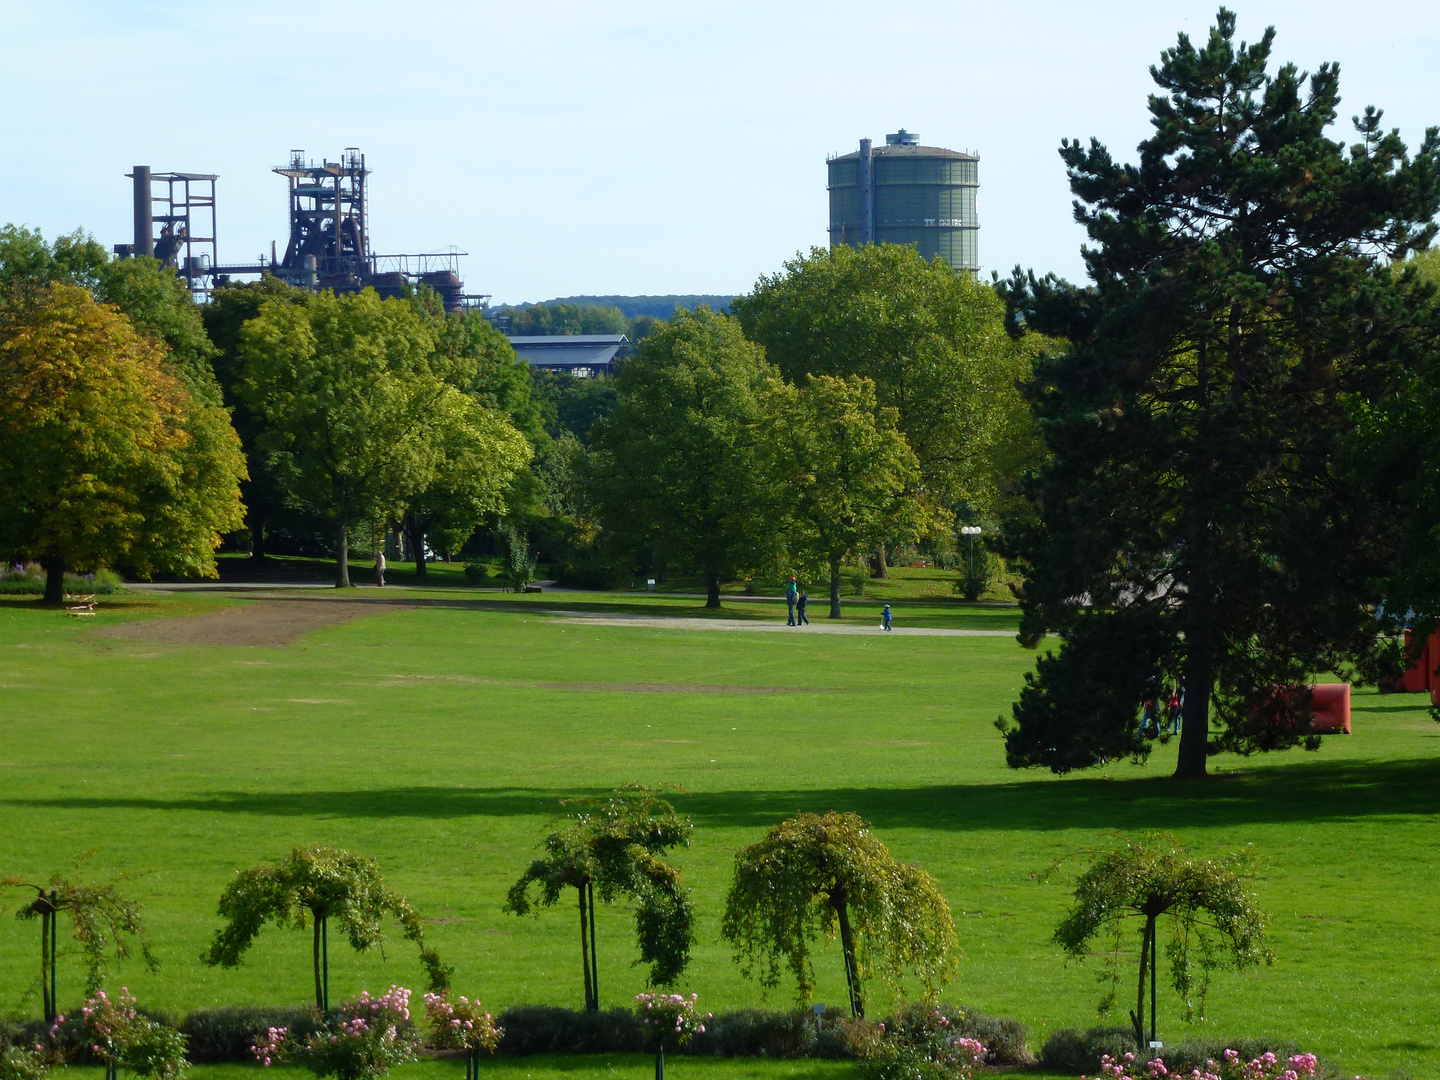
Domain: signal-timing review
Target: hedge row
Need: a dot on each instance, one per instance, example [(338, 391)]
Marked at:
[(1070, 1050), (226, 1034)]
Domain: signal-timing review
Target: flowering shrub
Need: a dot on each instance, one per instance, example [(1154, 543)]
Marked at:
[(461, 1023), (115, 1032), (920, 1044), (23, 1063), (1231, 1067), (671, 1017), (365, 1037)]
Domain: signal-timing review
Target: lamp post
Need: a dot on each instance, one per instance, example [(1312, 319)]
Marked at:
[(971, 531)]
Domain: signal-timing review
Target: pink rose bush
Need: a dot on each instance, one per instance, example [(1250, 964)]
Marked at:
[(672, 1018), (1231, 1067), (365, 1037), (461, 1024), (920, 1044), (113, 1030)]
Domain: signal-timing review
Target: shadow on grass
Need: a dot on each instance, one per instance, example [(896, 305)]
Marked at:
[(1295, 793)]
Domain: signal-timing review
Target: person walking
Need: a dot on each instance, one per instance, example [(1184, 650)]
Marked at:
[(792, 596), (885, 618), (1177, 709), (380, 567), (800, 609)]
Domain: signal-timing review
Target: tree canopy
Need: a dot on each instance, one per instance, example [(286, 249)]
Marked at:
[(1199, 500), (674, 468), (107, 455), (846, 475), (363, 412), (616, 845), (826, 874), (313, 885), (1148, 879), (932, 341)]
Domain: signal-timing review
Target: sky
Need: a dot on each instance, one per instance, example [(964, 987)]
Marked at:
[(622, 147)]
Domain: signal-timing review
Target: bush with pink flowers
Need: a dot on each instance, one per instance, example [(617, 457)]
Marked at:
[(113, 1031), (920, 1043), (365, 1037), (1231, 1066), (461, 1024), (670, 1019)]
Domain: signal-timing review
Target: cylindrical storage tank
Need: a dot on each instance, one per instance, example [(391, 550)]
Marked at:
[(387, 285), (919, 195), (448, 285), (144, 212)]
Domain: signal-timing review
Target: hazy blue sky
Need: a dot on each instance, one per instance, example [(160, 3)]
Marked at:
[(621, 147)]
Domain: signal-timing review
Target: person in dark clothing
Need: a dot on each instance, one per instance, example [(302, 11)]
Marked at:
[(800, 609), (792, 596)]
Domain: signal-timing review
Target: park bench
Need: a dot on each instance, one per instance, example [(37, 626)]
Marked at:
[(80, 606)]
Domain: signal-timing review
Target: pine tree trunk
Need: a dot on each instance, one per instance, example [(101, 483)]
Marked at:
[(342, 555), (54, 579), (879, 568), (257, 539), (835, 590), (1199, 678), (712, 591)]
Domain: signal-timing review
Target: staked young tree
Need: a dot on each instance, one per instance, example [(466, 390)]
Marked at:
[(102, 920), (675, 468), (1153, 878), (933, 342), (361, 411), (848, 476), (107, 455), (1199, 520), (312, 886), (826, 874), (616, 845)]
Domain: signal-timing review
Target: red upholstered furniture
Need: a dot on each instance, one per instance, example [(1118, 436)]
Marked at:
[(1330, 707)]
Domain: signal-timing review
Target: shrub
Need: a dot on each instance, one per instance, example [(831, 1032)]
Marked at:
[(1231, 1065), (920, 1043), (227, 1034), (119, 1036), (476, 573), (547, 1029), (364, 1038), (762, 1033), (29, 579), (670, 1018), (23, 1063), (1071, 1051)]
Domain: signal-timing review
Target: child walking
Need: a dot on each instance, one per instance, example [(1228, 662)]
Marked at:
[(885, 618), (800, 609)]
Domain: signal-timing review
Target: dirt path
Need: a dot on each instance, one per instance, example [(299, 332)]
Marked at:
[(672, 622), (264, 622)]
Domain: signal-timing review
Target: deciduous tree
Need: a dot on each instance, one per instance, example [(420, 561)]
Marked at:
[(675, 467), (312, 886), (616, 845), (102, 920), (106, 455), (1200, 499), (826, 874), (845, 474), (1154, 878)]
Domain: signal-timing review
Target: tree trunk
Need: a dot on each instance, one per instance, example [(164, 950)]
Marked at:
[(1195, 717), (847, 949), (835, 590), (417, 541), (315, 951), (1137, 1018), (257, 539), (47, 1004), (712, 591), (54, 579), (325, 960), (879, 568), (591, 1005), (342, 555), (594, 960)]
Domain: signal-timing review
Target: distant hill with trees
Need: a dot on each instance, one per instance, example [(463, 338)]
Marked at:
[(657, 307)]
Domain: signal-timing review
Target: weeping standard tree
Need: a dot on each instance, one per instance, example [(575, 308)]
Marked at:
[(616, 845), (829, 873), (1198, 520), (313, 885), (101, 919), (1152, 878)]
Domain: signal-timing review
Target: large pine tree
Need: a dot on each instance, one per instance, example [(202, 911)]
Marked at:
[(1197, 523)]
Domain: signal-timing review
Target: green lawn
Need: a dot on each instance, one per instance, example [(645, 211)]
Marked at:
[(441, 740)]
